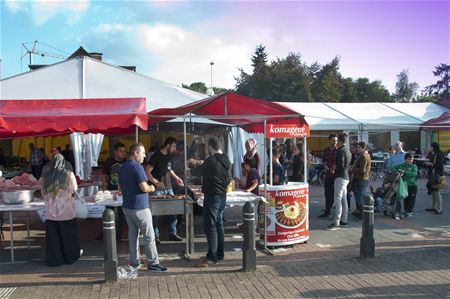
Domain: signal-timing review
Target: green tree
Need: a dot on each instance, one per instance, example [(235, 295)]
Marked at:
[(196, 86), (405, 91), (348, 91), (426, 97), (441, 89), (202, 88), (284, 79), (259, 58), (367, 91), (327, 86)]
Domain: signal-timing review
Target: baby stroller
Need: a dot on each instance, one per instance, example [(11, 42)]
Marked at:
[(390, 187)]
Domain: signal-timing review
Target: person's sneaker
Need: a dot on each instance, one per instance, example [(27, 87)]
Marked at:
[(438, 213), (409, 215), (138, 265), (157, 241), (157, 268), (343, 224), (81, 252), (430, 210), (397, 216), (332, 227), (175, 238), (324, 215), (205, 262)]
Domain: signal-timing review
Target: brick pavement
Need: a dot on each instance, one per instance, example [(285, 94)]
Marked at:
[(412, 261), (418, 274)]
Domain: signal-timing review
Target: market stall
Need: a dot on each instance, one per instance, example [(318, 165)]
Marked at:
[(273, 120), (21, 118)]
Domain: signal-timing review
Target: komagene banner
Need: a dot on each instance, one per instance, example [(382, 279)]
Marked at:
[(287, 131)]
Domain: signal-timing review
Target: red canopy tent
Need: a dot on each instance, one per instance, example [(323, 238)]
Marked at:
[(250, 114), (441, 123), (21, 118), (232, 108)]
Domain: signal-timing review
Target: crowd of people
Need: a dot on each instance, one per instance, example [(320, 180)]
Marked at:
[(347, 172)]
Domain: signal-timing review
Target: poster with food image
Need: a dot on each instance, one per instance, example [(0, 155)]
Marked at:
[(286, 216)]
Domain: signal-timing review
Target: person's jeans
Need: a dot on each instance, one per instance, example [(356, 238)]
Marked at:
[(141, 220), (171, 219), (410, 201), (360, 188), (213, 207), (340, 200), (329, 193)]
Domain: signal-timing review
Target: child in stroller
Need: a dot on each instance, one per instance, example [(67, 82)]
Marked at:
[(386, 195)]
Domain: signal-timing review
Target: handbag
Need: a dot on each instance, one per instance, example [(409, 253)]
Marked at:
[(442, 182)]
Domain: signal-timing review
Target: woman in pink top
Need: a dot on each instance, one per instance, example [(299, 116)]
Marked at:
[(62, 246)]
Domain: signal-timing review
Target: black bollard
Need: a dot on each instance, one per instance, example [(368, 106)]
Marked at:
[(109, 245), (367, 245), (249, 249)]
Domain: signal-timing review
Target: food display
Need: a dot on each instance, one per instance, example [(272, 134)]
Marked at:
[(24, 180), (177, 196), (291, 215)]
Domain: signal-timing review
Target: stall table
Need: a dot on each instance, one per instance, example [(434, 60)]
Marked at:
[(159, 207), (33, 206)]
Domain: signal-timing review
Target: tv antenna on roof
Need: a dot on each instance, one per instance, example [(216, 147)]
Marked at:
[(30, 49)]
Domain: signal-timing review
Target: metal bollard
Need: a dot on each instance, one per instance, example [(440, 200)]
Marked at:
[(249, 249), (367, 244), (109, 245)]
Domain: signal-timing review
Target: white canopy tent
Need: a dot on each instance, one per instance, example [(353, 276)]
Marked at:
[(369, 117), (85, 77), (323, 118)]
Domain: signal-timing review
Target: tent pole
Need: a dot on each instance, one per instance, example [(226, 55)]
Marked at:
[(305, 161), (265, 192), (137, 134)]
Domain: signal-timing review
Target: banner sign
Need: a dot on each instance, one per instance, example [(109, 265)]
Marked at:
[(286, 216), (286, 131)]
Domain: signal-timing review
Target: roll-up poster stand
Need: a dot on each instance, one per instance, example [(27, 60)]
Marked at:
[(283, 218)]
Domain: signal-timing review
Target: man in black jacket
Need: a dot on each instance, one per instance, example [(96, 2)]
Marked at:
[(343, 158), (216, 176)]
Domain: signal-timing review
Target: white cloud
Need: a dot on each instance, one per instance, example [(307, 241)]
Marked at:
[(14, 6), (171, 53), (42, 11)]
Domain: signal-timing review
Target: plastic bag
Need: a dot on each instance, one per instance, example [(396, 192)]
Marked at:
[(80, 208), (402, 190), (127, 272)]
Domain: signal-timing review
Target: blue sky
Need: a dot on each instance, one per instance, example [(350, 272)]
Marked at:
[(175, 41)]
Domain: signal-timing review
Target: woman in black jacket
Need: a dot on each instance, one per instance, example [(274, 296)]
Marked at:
[(436, 165)]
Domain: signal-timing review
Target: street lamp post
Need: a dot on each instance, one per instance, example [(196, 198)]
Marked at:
[(211, 63)]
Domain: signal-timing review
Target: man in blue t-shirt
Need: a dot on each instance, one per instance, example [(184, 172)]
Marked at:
[(134, 187)]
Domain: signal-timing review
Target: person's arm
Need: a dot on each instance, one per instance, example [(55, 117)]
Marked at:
[(253, 186), (151, 178), (141, 177), (145, 187), (177, 178), (340, 163), (365, 164), (73, 182), (199, 170)]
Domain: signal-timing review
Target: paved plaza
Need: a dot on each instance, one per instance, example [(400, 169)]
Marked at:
[(412, 261)]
